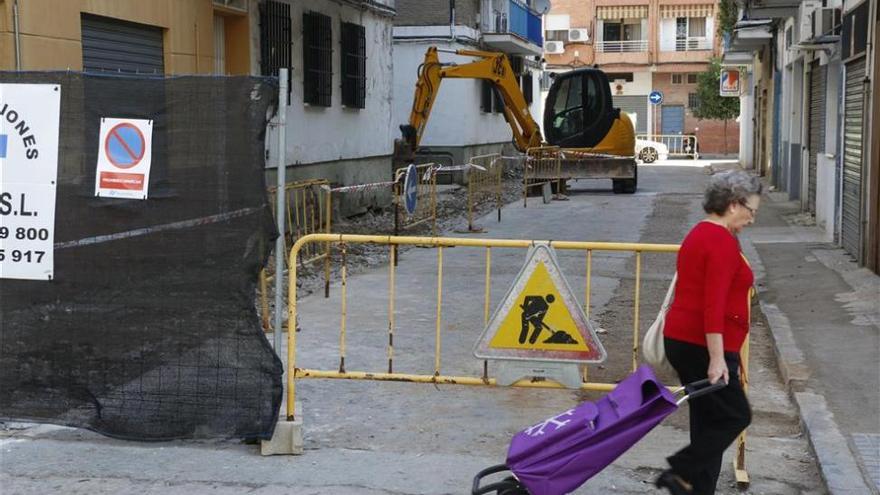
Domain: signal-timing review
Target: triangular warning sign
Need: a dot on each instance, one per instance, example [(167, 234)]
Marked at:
[(540, 318)]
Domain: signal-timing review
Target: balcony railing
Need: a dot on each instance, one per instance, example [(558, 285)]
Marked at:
[(622, 46), (521, 21), (692, 44)]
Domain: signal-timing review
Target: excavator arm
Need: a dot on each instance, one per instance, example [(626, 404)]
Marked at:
[(490, 66)]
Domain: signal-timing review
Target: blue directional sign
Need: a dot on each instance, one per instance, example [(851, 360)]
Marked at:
[(656, 97), (411, 189)]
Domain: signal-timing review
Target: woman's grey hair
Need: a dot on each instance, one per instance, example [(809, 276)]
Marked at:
[(727, 188)]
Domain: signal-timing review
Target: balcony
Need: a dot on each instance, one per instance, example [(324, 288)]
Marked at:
[(693, 44), (622, 46), (513, 28)]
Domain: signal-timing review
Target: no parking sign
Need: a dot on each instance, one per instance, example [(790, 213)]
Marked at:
[(124, 156)]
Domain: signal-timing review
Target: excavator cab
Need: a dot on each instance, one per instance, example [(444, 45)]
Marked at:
[(579, 112)]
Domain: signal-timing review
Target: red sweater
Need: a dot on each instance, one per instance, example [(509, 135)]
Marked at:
[(712, 292)]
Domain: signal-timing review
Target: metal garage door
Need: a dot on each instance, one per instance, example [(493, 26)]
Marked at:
[(816, 143), (637, 105), (111, 45), (853, 127)]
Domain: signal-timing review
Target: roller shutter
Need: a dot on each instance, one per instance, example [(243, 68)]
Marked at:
[(816, 142), (111, 45), (637, 105), (853, 127)]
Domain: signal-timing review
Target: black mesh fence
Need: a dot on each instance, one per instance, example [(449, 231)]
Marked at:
[(148, 330)]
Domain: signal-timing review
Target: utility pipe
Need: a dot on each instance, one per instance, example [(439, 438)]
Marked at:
[(280, 208), (17, 35)]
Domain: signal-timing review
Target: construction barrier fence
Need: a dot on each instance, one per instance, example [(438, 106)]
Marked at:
[(484, 183), (678, 144), (437, 377), (543, 165)]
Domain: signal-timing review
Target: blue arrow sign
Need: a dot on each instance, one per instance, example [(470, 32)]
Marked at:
[(3, 145), (411, 189), (656, 97)]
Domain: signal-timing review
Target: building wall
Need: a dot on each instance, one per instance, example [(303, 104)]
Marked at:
[(322, 134), (54, 42)]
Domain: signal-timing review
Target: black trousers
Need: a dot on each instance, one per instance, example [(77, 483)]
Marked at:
[(716, 419)]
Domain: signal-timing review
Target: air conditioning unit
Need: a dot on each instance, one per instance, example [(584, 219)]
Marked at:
[(805, 20), (554, 47), (578, 35), (826, 20)]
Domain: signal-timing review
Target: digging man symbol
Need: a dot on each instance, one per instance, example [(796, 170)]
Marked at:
[(534, 310)]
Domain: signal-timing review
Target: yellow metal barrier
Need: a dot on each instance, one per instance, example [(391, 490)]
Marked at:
[(426, 204), (440, 243), (542, 166), (484, 183), (309, 211)]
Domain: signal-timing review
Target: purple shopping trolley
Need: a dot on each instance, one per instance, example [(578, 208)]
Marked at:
[(559, 454)]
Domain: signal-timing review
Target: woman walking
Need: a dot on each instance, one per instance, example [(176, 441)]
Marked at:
[(706, 326)]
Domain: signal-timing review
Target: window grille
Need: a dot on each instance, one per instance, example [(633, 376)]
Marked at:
[(676, 79), (275, 44), (693, 100), (692, 79), (354, 65), (317, 59)]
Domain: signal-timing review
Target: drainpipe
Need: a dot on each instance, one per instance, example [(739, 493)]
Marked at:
[(17, 35), (452, 19)]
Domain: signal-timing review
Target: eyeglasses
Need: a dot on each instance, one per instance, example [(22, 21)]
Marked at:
[(752, 211)]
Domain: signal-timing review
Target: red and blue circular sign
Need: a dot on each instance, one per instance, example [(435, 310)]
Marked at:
[(125, 145)]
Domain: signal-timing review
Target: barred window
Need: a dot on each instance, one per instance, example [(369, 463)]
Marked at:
[(677, 78), (693, 100), (354, 65), (317, 59), (692, 79), (275, 39)]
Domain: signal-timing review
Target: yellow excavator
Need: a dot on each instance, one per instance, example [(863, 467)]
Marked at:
[(595, 140)]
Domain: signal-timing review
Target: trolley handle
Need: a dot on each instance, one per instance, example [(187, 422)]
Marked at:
[(700, 388), (492, 486)]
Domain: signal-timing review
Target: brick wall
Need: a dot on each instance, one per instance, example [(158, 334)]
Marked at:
[(711, 135), (435, 12)]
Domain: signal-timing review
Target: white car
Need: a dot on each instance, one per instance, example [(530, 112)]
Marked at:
[(651, 151)]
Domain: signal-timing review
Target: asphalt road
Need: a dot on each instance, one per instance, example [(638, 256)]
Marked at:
[(366, 437)]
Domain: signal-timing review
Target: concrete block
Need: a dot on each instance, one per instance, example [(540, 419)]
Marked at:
[(287, 438)]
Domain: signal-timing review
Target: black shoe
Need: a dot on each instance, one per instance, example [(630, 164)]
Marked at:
[(673, 483)]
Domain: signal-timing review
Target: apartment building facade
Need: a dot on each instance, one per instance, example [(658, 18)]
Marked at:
[(466, 119), (644, 46)]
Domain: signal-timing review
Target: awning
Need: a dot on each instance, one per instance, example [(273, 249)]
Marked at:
[(622, 12), (704, 10)]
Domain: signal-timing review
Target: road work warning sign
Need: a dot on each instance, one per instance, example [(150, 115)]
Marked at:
[(124, 158), (539, 318)]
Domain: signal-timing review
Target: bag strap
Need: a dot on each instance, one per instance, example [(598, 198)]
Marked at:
[(669, 293)]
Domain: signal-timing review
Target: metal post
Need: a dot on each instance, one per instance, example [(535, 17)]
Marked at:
[(281, 176)]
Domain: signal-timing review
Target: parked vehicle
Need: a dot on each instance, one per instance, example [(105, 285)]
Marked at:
[(651, 151)]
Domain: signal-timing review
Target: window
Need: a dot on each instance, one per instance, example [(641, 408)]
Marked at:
[(677, 79), (692, 79), (490, 99), (696, 27), (557, 36), (317, 59), (616, 76), (354, 65), (275, 30), (690, 34), (693, 100)]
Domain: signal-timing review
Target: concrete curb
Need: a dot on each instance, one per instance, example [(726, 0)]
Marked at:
[(837, 464)]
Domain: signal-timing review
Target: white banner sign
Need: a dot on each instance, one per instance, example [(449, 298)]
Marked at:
[(124, 156), (30, 117)]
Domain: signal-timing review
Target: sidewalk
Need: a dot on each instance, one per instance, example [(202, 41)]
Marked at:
[(824, 315)]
